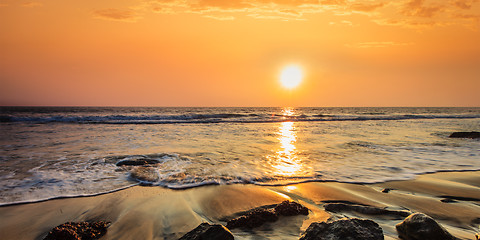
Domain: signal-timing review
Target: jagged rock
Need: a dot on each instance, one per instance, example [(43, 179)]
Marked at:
[(145, 174), (78, 231), (465, 135), (338, 207), (253, 219), (419, 226), (288, 208), (344, 229), (206, 231), (137, 162)]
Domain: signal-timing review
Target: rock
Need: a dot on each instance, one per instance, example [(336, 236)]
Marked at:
[(137, 162), (257, 217), (78, 231), (344, 229), (419, 226), (288, 208), (338, 207), (448, 200), (465, 135), (206, 231), (386, 190), (476, 221), (253, 219), (145, 174), (460, 198)]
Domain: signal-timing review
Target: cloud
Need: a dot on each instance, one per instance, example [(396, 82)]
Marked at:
[(417, 14), (3, 5), (464, 4), (418, 8), (343, 22), (223, 18), (363, 7), (376, 44), (31, 4), (117, 15)]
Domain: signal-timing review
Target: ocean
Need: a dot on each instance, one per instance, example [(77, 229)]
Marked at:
[(52, 152)]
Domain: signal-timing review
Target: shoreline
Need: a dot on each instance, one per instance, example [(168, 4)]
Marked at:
[(149, 212)]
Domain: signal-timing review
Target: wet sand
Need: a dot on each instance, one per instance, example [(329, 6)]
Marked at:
[(157, 213)]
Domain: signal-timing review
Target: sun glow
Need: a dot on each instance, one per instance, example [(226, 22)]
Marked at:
[(291, 76)]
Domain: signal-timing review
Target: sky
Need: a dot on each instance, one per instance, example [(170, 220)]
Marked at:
[(231, 53)]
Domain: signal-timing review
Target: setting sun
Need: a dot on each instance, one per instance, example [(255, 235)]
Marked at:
[(291, 76)]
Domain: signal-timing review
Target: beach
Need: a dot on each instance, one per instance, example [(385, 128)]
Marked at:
[(145, 212)]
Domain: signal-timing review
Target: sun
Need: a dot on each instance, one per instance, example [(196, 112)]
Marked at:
[(291, 76)]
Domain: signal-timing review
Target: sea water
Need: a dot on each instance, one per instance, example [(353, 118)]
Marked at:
[(49, 152)]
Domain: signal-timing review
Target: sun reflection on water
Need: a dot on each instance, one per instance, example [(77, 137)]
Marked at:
[(285, 161)]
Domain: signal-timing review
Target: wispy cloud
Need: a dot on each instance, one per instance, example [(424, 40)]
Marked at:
[(418, 8), (376, 44), (114, 14), (31, 4), (464, 4), (366, 7), (403, 13)]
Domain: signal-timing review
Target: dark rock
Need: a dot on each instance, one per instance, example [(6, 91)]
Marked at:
[(460, 198), (259, 216), (419, 226), (137, 162), (144, 174), (344, 229), (448, 200), (465, 135), (338, 207), (78, 231), (386, 190), (253, 219), (207, 231), (288, 208)]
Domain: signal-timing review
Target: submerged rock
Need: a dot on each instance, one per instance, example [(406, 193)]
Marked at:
[(344, 229), (137, 162), (337, 207), (419, 226), (257, 217), (253, 219), (465, 135), (206, 231), (145, 174), (78, 231)]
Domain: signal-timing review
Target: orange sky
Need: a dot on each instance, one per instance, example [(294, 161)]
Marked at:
[(230, 53)]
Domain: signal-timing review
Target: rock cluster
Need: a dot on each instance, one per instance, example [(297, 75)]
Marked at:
[(78, 231)]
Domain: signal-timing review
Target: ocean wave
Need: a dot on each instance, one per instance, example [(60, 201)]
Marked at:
[(223, 118)]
